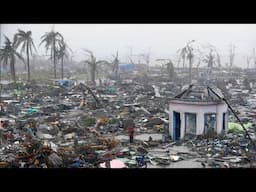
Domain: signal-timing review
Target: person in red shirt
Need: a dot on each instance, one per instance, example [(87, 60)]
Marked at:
[(10, 136), (131, 133)]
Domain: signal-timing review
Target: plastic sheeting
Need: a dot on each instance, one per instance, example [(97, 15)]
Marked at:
[(115, 163)]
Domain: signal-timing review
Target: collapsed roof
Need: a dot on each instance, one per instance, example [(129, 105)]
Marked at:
[(199, 93)]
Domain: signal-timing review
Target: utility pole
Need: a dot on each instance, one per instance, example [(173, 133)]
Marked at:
[(190, 57)]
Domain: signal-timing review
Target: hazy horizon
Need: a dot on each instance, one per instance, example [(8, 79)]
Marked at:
[(161, 40)]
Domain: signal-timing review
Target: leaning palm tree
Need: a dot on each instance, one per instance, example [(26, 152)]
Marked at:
[(209, 59), (63, 52), (8, 53), (217, 55), (183, 54), (169, 67), (24, 40), (52, 41), (93, 64)]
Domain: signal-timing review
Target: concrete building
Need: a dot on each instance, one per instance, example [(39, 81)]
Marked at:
[(197, 111)]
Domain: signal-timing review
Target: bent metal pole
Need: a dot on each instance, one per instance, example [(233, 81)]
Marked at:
[(246, 132)]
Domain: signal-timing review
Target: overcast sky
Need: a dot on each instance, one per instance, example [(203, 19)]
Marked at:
[(163, 40)]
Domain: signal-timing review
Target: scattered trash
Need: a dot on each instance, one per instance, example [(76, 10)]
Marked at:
[(174, 158), (45, 125)]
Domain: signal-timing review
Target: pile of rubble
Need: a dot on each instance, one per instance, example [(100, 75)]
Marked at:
[(53, 126)]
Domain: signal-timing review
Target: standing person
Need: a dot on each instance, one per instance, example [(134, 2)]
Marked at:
[(131, 132), (108, 163), (1, 108), (3, 137), (1, 131)]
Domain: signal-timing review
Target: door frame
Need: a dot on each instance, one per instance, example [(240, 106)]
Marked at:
[(215, 128), (175, 136)]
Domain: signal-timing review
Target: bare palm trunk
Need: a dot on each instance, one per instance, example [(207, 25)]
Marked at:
[(13, 69), (190, 70), (4, 63), (62, 70), (93, 75), (28, 63), (116, 70), (183, 63), (5, 67), (54, 60), (197, 67)]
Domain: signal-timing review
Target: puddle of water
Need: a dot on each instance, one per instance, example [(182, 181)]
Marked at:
[(186, 163), (142, 137), (190, 163)]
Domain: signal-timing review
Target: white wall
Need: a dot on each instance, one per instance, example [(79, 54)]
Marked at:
[(200, 110)]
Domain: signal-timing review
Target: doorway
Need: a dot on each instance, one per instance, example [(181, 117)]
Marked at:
[(210, 124), (176, 125)]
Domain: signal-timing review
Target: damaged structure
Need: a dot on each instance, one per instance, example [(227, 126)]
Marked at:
[(197, 111)]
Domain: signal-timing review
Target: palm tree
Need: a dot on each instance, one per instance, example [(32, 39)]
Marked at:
[(209, 59), (217, 55), (52, 41), (169, 66), (93, 64), (187, 52), (190, 57), (61, 54), (183, 54), (8, 53), (115, 64), (24, 40), (4, 53)]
